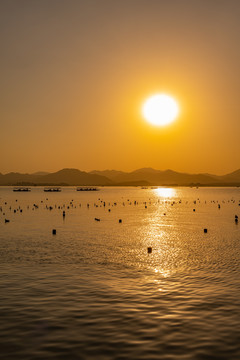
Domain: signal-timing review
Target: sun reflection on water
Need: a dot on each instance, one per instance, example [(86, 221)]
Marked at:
[(164, 272), (160, 281), (165, 192)]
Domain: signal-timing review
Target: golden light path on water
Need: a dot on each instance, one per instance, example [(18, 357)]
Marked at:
[(66, 292), (159, 226), (165, 192)]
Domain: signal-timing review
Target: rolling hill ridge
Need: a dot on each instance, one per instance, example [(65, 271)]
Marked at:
[(139, 177)]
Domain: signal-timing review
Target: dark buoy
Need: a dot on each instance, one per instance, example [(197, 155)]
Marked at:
[(120, 221), (205, 231), (149, 250), (194, 209), (54, 231)]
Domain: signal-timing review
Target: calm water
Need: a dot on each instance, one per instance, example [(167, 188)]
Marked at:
[(92, 291)]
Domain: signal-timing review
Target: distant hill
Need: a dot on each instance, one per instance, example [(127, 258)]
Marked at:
[(170, 177), (41, 173), (12, 178), (75, 177), (110, 174), (139, 177), (233, 177), (158, 177), (65, 176)]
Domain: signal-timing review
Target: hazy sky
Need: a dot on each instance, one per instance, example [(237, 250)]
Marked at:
[(74, 75)]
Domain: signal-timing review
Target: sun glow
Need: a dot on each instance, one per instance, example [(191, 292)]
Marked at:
[(165, 192), (160, 109)]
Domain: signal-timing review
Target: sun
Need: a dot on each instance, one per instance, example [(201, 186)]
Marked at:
[(160, 109)]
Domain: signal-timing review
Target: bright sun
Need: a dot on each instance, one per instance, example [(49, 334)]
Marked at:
[(160, 109)]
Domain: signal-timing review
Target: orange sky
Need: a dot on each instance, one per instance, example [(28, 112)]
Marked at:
[(74, 75)]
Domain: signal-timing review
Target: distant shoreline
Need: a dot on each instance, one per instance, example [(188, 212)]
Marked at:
[(237, 185), (141, 177)]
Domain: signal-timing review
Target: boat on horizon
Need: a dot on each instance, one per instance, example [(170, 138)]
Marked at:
[(21, 189), (87, 188), (57, 189)]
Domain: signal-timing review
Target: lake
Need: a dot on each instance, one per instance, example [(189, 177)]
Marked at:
[(95, 291)]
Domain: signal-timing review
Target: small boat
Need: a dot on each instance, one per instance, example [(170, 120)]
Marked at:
[(87, 189), (21, 189), (55, 189)]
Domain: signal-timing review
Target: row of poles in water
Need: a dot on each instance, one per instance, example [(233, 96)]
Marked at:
[(149, 249), (103, 203)]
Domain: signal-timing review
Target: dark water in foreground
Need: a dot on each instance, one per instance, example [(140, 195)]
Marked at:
[(93, 292)]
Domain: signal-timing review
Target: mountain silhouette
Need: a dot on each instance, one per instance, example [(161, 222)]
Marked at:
[(139, 177), (62, 177), (170, 177)]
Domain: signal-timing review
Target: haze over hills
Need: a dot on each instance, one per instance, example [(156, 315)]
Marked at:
[(139, 177), (40, 173), (170, 177), (63, 177)]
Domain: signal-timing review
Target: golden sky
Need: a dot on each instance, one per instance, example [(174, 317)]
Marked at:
[(74, 75)]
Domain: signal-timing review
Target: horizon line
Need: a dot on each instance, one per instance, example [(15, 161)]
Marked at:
[(142, 168)]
